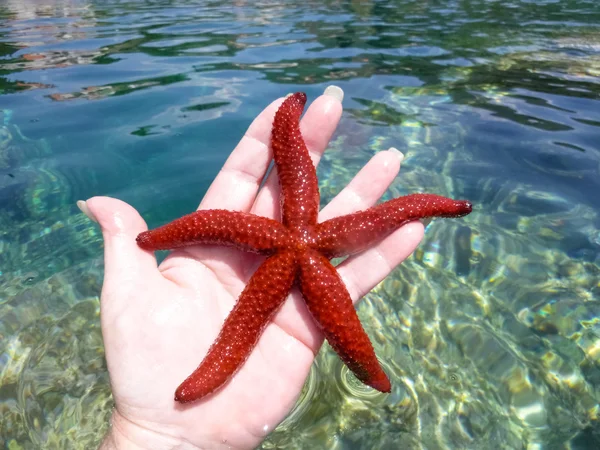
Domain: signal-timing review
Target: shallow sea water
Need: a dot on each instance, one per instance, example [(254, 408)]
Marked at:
[(490, 331)]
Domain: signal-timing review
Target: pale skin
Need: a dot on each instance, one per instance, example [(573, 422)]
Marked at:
[(159, 321)]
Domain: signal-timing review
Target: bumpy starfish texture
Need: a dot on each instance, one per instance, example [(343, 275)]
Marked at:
[(298, 251)]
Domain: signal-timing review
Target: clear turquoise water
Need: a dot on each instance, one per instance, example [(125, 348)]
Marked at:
[(491, 330)]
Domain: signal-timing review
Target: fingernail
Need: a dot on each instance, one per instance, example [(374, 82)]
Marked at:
[(426, 221), (289, 95), (82, 205), (335, 92), (397, 152)]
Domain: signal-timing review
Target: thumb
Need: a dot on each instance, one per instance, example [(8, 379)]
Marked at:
[(125, 264)]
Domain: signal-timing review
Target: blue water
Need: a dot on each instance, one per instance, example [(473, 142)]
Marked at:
[(493, 101)]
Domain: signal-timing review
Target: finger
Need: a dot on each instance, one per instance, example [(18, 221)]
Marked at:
[(317, 127), (237, 184), (364, 271), (125, 264), (367, 187)]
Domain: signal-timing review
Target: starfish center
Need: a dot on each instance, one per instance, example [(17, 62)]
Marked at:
[(302, 238)]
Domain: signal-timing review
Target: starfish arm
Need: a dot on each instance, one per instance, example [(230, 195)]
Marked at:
[(297, 175), (330, 304), (355, 232), (238, 229), (264, 294)]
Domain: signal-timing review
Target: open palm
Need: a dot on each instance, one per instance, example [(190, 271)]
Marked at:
[(158, 322)]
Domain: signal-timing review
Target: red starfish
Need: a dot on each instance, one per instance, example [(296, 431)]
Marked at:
[(298, 251)]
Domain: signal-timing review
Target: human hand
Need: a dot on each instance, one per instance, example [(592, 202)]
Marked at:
[(158, 322)]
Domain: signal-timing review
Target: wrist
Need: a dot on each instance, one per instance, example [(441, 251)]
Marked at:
[(126, 435)]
